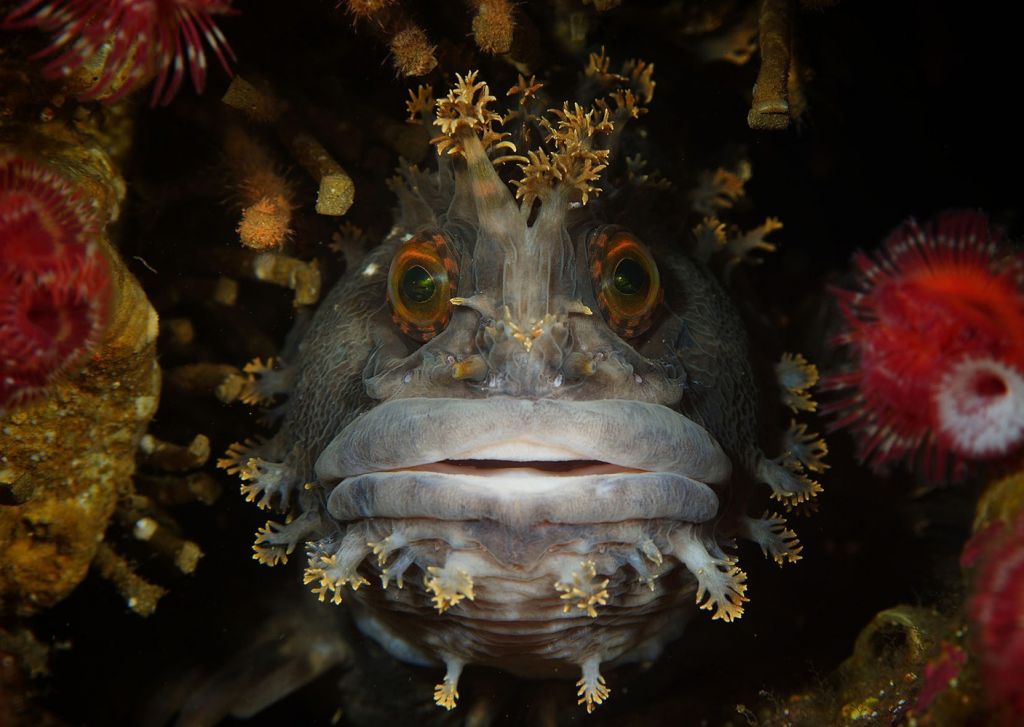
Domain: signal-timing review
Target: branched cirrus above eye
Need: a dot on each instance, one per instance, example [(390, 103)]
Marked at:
[(421, 282), (626, 281)]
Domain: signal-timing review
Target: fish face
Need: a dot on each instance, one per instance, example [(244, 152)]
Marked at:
[(521, 435)]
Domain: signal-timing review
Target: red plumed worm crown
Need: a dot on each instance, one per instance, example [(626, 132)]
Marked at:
[(141, 38), (935, 329), (54, 285)]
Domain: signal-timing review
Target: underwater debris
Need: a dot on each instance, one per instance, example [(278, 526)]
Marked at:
[(120, 45), (935, 331)]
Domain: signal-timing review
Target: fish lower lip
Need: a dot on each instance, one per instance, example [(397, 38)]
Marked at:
[(523, 499), (634, 435)]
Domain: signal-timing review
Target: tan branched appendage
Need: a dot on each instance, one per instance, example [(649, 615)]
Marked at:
[(807, 448), (446, 694), (573, 163), (776, 540), (236, 459), (262, 481), (525, 90), (721, 584), (592, 690), (448, 585), (709, 238), (636, 172), (720, 189), (583, 590), (789, 484), (420, 105), (276, 541), (332, 566), (466, 109), (264, 382), (597, 69), (631, 101), (796, 376), (741, 248)]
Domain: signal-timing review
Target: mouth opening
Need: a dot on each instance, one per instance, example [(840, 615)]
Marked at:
[(525, 468)]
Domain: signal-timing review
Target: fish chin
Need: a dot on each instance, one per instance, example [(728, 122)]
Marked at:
[(536, 534)]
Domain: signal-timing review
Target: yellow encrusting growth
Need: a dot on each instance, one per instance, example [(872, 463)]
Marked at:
[(448, 586), (585, 592)]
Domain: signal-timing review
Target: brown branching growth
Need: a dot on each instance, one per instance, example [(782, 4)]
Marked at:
[(769, 109)]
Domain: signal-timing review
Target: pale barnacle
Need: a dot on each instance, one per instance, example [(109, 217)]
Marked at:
[(536, 420)]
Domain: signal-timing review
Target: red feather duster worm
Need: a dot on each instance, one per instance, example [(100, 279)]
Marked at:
[(140, 39), (54, 281), (935, 330)]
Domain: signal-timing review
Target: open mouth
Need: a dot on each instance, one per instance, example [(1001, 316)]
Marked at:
[(526, 468), (521, 462)]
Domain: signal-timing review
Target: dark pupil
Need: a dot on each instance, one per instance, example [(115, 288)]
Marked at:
[(418, 285), (629, 277)]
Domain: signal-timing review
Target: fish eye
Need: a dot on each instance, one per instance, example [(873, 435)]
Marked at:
[(418, 285), (421, 282), (629, 277), (626, 281)]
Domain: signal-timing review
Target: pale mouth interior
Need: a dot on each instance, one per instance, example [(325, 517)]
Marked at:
[(522, 468)]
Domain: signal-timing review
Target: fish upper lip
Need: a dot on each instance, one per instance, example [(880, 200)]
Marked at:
[(402, 434)]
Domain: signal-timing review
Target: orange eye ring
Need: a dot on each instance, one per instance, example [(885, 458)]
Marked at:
[(626, 281), (423, 277)]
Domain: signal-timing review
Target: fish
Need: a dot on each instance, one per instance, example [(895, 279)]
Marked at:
[(518, 433)]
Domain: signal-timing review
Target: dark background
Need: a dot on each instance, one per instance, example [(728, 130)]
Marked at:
[(912, 110)]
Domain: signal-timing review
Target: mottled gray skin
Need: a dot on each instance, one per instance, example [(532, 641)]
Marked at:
[(653, 533)]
